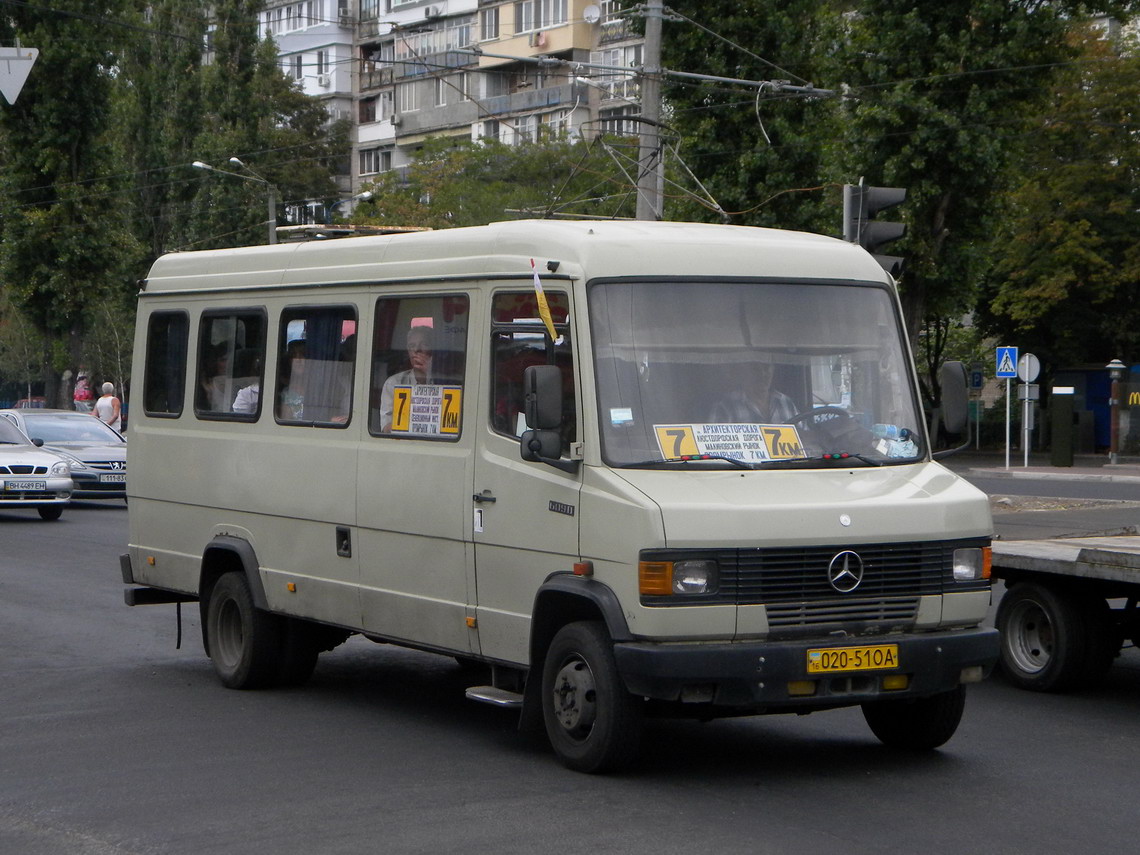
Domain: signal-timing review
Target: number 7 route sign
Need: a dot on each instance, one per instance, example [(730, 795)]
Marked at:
[(1006, 362)]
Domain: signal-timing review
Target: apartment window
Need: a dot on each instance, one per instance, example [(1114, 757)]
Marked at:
[(617, 121), (369, 10), (489, 23), (408, 97), (491, 129), (439, 92), (525, 128), (386, 111), (460, 83), (368, 110), (369, 161), (535, 14), (555, 125), (526, 16), (297, 66), (322, 62)]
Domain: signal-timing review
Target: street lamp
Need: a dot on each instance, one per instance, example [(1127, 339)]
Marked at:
[(270, 190), (1116, 370), (359, 197)]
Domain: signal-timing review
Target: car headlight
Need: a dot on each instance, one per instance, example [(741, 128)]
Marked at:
[(63, 467), (689, 576), (972, 564)]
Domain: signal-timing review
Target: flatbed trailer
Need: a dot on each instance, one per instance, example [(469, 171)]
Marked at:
[(1069, 607)]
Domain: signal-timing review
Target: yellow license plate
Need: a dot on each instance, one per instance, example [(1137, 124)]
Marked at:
[(831, 659)]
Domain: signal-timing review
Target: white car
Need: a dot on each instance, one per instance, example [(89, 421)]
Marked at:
[(98, 453), (31, 476)]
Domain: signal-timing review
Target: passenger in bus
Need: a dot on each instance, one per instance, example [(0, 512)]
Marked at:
[(754, 400), (419, 346), (291, 398), (215, 372)]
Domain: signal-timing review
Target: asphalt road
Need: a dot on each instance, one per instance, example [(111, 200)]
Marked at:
[(113, 742)]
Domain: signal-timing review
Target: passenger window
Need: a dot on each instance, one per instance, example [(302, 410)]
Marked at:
[(418, 359), (231, 355), (164, 383), (518, 340), (316, 362)]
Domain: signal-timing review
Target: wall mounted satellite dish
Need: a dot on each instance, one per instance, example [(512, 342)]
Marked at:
[(592, 14)]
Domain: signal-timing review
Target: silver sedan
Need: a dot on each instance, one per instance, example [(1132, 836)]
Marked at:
[(98, 453), (31, 476)]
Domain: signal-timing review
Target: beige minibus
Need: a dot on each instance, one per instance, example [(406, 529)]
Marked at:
[(630, 468)]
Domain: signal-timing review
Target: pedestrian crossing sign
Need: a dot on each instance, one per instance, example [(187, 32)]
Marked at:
[(1006, 362)]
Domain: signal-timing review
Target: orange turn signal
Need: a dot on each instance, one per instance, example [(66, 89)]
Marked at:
[(655, 577)]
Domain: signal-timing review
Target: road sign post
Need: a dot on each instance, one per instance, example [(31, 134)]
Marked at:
[(1028, 367), (1006, 368)]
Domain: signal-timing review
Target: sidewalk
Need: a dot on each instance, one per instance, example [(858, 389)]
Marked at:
[(1086, 467)]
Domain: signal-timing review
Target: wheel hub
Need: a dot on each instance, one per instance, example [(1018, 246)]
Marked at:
[(1031, 641), (575, 697)]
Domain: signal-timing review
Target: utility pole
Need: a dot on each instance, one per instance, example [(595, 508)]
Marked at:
[(649, 175)]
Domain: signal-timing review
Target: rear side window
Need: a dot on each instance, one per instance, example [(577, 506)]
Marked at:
[(316, 359), (165, 378), (419, 355), (231, 358)]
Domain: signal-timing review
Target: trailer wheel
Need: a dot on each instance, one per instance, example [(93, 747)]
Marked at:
[(593, 723), (1051, 640), (245, 642), (921, 724)]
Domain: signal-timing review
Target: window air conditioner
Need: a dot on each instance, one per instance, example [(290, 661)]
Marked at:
[(324, 80)]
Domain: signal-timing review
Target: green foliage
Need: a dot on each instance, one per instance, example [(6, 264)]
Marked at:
[(1066, 283), (762, 156), (463, 183)]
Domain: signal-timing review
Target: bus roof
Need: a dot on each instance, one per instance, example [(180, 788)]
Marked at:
[(560, 249)]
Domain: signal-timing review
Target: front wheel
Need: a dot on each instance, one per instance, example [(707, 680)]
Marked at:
[(920, 724), (593, 723), (50, 512)]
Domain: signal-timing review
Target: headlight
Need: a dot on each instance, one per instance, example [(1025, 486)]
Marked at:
[(61, 468), (690, 576), (972, 564)]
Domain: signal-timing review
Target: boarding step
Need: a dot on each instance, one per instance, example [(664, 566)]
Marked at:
[(497, 697)]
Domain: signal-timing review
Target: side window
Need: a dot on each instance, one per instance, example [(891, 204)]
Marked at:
[(316, 361), (165, 379), (231, 357), (418, 358), (519, 339)]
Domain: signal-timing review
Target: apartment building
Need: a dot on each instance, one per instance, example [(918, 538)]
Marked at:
[(405, 70), (510, 70)]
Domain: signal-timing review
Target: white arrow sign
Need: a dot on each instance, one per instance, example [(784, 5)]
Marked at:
[(15, 66)]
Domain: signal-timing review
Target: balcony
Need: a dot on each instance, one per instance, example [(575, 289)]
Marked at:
[(372, 77), (528, 100)]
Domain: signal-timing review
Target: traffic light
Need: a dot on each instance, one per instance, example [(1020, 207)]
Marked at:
[(860, 204)]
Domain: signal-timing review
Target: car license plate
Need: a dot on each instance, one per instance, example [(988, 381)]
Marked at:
[(25, 486), (113, 478), (871, 658)]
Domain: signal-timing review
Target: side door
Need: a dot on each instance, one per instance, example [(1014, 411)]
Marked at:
[(415, 472), (525, 515)]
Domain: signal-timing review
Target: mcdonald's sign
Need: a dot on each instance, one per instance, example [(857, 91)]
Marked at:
[(1134, 399)]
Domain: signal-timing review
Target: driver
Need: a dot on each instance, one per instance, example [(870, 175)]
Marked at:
[(754, 401)]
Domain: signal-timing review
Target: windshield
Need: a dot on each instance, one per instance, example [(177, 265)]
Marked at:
[(10, 434), (77, 428), (765, 374)]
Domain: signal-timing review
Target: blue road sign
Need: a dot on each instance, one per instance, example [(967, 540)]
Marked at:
[(1006, 362)]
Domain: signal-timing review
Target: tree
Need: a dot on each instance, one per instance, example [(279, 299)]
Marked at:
[(463, 183), (1066, 284), (64, 247), (942, 94), (761, 154)]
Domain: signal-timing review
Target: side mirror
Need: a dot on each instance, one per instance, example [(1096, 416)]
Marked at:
[(37, 442), (542, 387), (955, 397)]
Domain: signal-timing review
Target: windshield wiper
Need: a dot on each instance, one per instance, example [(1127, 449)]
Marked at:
[(688, 458), (840, 459)]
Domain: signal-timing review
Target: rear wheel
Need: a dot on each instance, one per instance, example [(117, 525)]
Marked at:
[(593, 723), (1051, 640), (245, 642), (50, 512), (917, 725)]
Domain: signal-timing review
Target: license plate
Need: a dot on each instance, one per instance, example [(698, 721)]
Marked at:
[(113, 478), (25, 486), (872, 658)]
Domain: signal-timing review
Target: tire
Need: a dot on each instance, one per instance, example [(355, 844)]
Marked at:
[(245, 642), (593, 723), (922, 724), (50, 512), (1053, 640)]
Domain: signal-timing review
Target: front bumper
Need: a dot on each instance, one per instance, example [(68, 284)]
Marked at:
[(754, 675), (58, 491), (89, 485)]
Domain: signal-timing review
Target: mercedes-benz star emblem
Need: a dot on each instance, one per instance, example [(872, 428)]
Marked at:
[(845, 571)]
